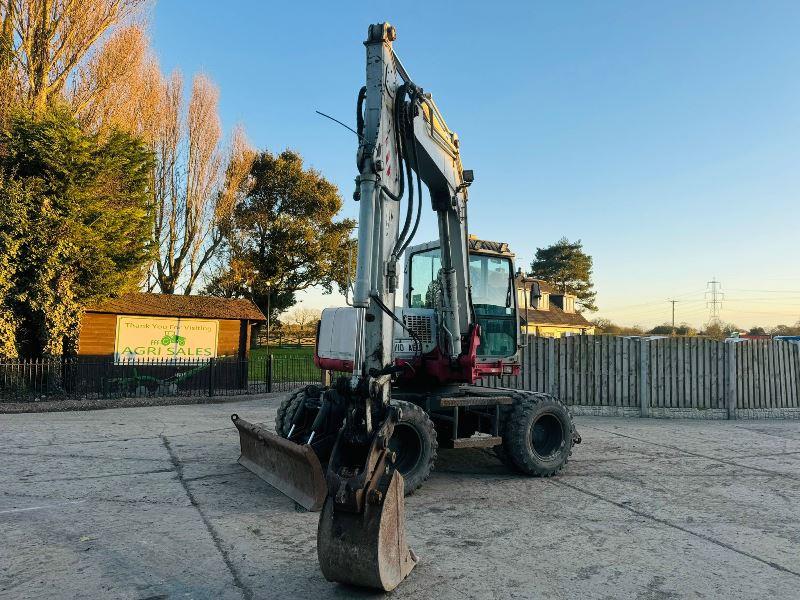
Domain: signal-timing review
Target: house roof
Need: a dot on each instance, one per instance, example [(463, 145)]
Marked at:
[(556, 316), (169, 305)]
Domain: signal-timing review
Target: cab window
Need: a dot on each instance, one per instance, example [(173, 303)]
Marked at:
[(424, 279), (493, 292), (493, 300)]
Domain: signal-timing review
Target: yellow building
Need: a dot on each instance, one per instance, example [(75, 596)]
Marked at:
[(550, 313)]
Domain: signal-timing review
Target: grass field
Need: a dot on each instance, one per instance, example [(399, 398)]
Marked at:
[(261, 352), (292, 363)]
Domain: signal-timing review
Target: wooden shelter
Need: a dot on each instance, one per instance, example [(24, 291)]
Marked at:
[(164, 327)]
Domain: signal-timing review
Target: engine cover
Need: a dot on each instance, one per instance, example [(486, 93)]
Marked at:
[(336, 336), (336, 339)]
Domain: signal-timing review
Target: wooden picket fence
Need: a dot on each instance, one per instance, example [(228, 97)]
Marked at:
[(658, 375)]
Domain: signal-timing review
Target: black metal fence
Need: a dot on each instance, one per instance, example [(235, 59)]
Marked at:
[(277, 373), (102, 377)]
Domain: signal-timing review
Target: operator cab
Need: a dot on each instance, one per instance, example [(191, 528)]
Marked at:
[(493, 294), (493, 301)]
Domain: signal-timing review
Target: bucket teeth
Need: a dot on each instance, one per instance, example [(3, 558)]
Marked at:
[(369, 548)]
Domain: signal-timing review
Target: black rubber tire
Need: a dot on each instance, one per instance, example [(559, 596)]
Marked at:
[(538, 434), (415, 460), (414, 441), (290, 405)]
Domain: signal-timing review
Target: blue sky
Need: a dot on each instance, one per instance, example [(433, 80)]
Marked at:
[(666, 136)]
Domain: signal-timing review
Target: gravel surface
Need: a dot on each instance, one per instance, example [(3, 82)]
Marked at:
[(146, 503), (68, 404)]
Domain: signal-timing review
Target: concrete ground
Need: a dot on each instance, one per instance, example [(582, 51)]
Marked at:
[(148, 503)]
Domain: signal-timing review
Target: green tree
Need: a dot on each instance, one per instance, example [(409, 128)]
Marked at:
[(666, 329), (75, 227), (566, 266), (12, 218), (786, 329), (603, 325), (606, 326), (284, 236), (719, 330)]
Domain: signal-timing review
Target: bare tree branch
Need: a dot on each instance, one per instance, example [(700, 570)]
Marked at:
[(196, 184)]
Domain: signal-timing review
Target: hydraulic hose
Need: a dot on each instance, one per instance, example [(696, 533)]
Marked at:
[(401, 150), (395, 318), (403, 133), (362, 95), (419, 191)]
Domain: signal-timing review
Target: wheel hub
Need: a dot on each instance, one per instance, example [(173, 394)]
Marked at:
[(547, 435), (407, 444)]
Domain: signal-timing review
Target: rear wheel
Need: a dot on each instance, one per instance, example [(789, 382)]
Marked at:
[(289, 407), (539, 434), (414, 442)]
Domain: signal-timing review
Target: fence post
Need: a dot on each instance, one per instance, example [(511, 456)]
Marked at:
[(730, 383), (644, 378), (270, 363), (210, 376), (551, 366), (325, 377)]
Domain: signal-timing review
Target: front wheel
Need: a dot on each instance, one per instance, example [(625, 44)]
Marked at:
[(539, 434), (414, 442)]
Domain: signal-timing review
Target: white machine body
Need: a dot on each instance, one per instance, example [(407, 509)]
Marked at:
[(336, 341)]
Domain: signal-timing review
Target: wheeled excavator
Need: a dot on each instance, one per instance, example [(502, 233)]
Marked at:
[(410, 386)]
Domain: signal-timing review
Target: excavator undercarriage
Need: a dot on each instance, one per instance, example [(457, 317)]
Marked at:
[(359, 487)]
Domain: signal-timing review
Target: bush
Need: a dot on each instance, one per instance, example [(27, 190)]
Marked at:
[(75, 226)]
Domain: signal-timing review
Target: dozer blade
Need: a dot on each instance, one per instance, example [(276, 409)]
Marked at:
[(291, 468), (367, 549)]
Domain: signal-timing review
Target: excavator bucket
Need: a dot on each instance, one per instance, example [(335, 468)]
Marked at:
[(366, 549), (291, 468)]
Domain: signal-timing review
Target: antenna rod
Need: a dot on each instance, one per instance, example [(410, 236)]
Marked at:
[(340, 123)]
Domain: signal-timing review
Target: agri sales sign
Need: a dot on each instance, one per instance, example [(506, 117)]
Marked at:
[(159, 339)]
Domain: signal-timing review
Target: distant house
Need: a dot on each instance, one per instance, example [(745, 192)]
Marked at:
[(547, 312)]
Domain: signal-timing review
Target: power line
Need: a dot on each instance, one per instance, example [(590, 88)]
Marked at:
[(763, 301), (768, 291), (654, 302), (656, 311), (654, 307), (769, 313)]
